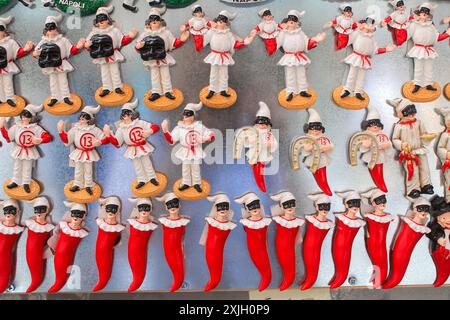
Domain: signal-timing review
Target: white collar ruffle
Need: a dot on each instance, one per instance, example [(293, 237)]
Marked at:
[(416, 227), (142, 226), (259, 224), (229, 225), (65, 228), (323, 225), (381, 219), (352, 223), (102, 224), (294, 223), (181, 222), (10, 230), (34, 226)]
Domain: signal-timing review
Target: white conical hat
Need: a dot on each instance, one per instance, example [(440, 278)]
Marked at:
[(40, 201), (420, 202), (5, 21), (372, 113), (75, 206), (296, 13), (156, 12), (54, 19), (227, 14), (394, 2), (264, 110), (261, 12), (313, 116), (247, 198), (91, 110), (105, 10), (34, 109), (428, 5), (282, 197), (445, 112), (218, 198), (344, 5), (195, 6), (110, 200), (193, 106), (167, 197), (130, 105), (399, 103), (349, 195), (140, 201), (319, 198), (9, 202), (373, 194)]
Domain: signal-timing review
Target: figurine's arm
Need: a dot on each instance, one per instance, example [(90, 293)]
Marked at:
[(422, 128), (208, 134), (172, 137), (117, 139), (127, 39), (46, 137), (314, 41), (22, 52), (444, 35), (207, 37), (5, 134), (442, 147), (396, 141), (76, 48)]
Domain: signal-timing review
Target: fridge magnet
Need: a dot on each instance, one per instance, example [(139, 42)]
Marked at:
[(198, 26), (268, 30), (398, 22), (343, 26)]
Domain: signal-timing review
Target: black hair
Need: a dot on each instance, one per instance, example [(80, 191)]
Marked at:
[(309, 126), (27, 114), (348, 9), (267, 13), (88, 117), (439, 206), (152, 18), (400, 3), (370, 123), (222, 18), (423, 10), (110, 21), (292, 18), (197, 9), (132, 114), (263, 120)]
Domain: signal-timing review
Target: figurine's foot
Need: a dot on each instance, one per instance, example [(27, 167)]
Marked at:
[(183, 187), (52, 102), (12, 185), (225, 94), (290, 97), (428, 189), (169, 95), (74, 189), (359, 96), (140, 185), (430, 87), (11, 102), (210, 94), (26, 187), (416, 88), (104, 93), (130, 8), (89, 191), (345, 94), (305, 94), (68, 101), (414, 194), (119, 91), (154, 182), (154, 97), (198, 188)]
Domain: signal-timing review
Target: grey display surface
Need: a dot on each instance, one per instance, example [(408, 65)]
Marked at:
[(256, 77)]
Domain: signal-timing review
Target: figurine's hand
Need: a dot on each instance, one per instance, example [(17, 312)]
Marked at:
[(147, 133), (448, 31), (96, 143), (87, 44), (36, 53), (308, 147), (446, 20), (139, 44), (36, 140), (107, 130), (81, 43), (183, 28), (184, 36), (447, 156), (405, 146), (253, 33), (2, 122), (319, 37), (165, 125), (283, 25), (212, 24), (328, 24), (367, 143), (248, 40), (28, 46), (60, 126), (133, 33), (391, 47), (383, 23), (442, 242)]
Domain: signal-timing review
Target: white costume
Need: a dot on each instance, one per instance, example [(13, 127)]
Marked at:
[(442, 149), (398, 19), (267, 29), (344, 25)]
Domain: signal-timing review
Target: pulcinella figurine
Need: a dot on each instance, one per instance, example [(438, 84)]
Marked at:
[(154, 45), (134, 132), (256, 226), (26, 134), (191, 134), (447, 86), (411, 231), (317, 227), (343, 26), (141, 228), (373, 145), (218, 227), (352, 95), (443, 151), (315, 148), (223, 44), (11, 105), (109, 229), (268, 30), (10, 231), (294, 43), (378, 222), (347, 227), (198, 26), (424, 36), (287, 235), (68, 236), (409, 137), (104, 43), (39, 229), (260, 142), (53, 53), (174, 226), (439, 239), (398, 22), (83, 139)]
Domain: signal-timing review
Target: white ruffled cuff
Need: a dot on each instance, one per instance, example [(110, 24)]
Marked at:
[(352, 223), (294, 223), (37, 227), (256, 224), (416, 227), (220, 225), (174, 223), (10, 230), (142, 226), (323, 225), (380, 219), (81, 233), (102, 224)]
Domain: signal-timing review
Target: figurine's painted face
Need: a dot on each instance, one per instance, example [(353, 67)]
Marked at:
[(3, 33), (10, 213), (173, 206), (367, 27), (262, 126), (25, 118), (111, 211), (447, 124), (322, 210), (144, 210), (374, 128), (292, 25), (347, 14), (51, 30), (289, 207), (223, 210), (84, 119), (40, 212), (268, 17), (102, 21), (188, 117), (444, 220), (314, 132), (379, 203), (199, 14), (353, 206), (423, 16), (77, 217), (401, 8), (221, 25), (254, 208), (421, 211), (155, 24), (408, 113)]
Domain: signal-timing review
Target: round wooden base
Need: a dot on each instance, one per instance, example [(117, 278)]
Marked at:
[(218, 101), (149, 190), (447, 91), (423, 95), (191, 194), (350, 102), (19, 193), (7, 111), (63, 109), (82, 196), (164, 103), (113, 99), (298, 102)]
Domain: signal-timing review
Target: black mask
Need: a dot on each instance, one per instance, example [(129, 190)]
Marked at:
[(112, 208), (198, 10), (144, 207), (423, 208), (288, 204), (40, 209), (292, 18), (2, 28), (188, 113), (369, 21), (154, 48), (50, 56), (125, 113), (10, 210), (348, 9), (152, 18), (174, 203), (380, 200), (409, 110), (85, 116), (400, 3), (263, 120), (316, 126), (354, 203), (324, 206), (77, 214), (223, 206), (375, 123), (101, 47), (3, 58), (26, 114), (101, 17), (424, 10), (50, 26), (267, 13), (254, 205), (222, 18)]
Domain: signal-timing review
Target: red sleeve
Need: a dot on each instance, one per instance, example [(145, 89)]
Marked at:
[(208, 24), (114, 141), (126, 40), (311, 44), (46, 137), (334, 21), (443, 36), (177, 43), (257, 29), (354, 25), (168, 137), (155, 128), (388, 19), (74, 50), (187, 24), (279, 26), (63, 137), (381, 50), (411, 17), (21, 53), (105, 140), (239, 44), (212, 137), (5, 134)]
